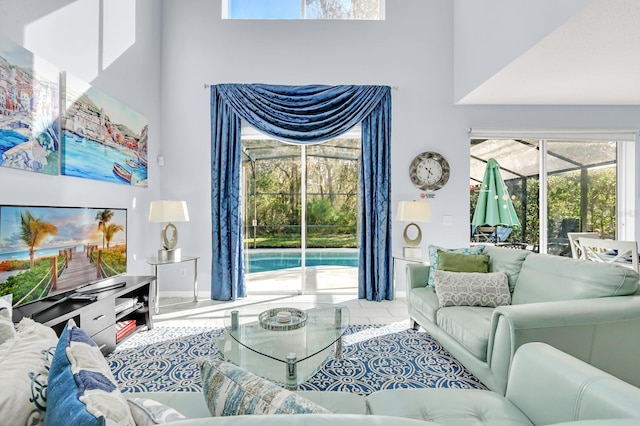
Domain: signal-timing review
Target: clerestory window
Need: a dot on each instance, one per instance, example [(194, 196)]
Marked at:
[(304, 9)]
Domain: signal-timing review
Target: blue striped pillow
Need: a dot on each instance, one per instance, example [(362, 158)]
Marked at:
[(82, 390)]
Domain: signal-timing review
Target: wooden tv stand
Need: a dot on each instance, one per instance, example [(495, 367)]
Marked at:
[(95, 311)]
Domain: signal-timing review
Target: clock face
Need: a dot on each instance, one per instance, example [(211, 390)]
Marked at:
[(429, 171)]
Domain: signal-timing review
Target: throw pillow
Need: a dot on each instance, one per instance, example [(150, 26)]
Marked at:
[(472, 289), (433, 257), (230, 390), (147, 412), (82, 390), (7, 330), (460, 262), (24, 368)]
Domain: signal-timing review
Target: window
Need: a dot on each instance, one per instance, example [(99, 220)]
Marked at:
[(557, 186), (303, 9)]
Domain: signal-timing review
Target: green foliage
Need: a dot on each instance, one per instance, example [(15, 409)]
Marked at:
[(114, 260), (21, 284)]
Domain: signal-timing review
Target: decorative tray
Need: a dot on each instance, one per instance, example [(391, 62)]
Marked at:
[(270, 320)]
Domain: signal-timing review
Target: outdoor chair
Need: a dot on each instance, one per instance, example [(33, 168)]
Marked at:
[(621, 253), (574, 242)]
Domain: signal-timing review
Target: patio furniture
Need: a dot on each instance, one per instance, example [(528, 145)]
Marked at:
[(621, 253), (574, 243)]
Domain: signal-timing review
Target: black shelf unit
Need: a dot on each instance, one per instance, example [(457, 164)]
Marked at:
[(96, 316)]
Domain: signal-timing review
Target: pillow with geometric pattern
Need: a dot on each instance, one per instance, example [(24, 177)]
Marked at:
[(488, 289)]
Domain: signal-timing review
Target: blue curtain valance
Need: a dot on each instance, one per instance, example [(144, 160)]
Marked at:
[(302, 114)]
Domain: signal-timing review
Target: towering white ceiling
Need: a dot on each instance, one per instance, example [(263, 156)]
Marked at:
[(592, 58)]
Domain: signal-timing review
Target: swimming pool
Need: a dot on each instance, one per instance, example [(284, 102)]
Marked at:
[(274, 260)]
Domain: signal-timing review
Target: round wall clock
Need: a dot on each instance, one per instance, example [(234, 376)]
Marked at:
[(429, 171)]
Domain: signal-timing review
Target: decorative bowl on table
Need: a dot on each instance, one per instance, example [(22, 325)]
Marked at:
[(282, 319)]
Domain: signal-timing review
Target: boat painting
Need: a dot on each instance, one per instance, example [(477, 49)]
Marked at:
[(99, 132), (122, 172), (29, 111)]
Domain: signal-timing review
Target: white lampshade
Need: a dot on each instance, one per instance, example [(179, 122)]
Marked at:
[(413, 211), (168, 211)]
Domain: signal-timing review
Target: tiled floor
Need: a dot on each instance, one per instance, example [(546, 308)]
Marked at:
[(210, 313)]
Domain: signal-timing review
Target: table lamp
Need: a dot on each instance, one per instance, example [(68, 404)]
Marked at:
[(412, 212), (169, 211)]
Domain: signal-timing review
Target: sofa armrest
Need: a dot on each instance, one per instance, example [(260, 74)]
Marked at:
[(550, 386), (587, 328), (417, 275)]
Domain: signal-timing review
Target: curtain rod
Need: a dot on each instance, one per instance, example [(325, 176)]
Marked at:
[(206, 86)]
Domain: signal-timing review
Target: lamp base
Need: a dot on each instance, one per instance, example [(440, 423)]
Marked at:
[(169, 255), (412, 252)]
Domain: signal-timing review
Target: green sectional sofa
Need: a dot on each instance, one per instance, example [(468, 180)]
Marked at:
[(589, 310)]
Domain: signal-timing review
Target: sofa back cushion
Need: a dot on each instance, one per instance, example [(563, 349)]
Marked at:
[(507, 260), (547, 278)]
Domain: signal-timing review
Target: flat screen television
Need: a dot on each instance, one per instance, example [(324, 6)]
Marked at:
[(48, 251)]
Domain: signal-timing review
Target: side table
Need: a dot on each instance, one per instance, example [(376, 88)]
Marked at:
[(396, 257), (156, 262)]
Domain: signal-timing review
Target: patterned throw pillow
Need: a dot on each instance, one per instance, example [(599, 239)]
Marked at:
[(489, 289), (433, 257), (24, 368), (82, 390), (231, 391), (147, 412)]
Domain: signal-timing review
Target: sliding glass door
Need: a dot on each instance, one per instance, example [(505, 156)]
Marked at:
[(300, 215)]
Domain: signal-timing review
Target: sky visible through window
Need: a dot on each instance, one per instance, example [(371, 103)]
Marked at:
[(265, 9)]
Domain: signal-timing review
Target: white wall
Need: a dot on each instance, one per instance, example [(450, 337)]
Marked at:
[(490, 34), (412, 49), (117, 50)]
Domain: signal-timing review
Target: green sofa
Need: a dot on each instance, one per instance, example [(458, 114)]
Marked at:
[(589, 310)]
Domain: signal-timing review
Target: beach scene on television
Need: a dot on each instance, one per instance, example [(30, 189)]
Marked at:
[(102, 138), (50, 250), (29, 111)]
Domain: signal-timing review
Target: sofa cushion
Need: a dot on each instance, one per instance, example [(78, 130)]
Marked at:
[(24, 369), (469, 326), (82, 390), (447, 406), (433, 257), (546, 278), (425, 300), (460, 262), (233, 391), (507, 260), (472, 289)]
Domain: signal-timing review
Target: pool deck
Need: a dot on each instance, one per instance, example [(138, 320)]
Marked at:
[(319, 280)]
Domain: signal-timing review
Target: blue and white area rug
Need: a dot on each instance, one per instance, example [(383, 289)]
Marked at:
[(375, 358)]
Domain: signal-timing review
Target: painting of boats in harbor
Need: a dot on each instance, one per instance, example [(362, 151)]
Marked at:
[(29, 111), (102, 138)]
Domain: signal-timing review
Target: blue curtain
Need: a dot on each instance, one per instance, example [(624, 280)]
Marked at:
[(303, 114)]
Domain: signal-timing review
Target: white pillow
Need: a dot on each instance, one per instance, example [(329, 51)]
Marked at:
[(7, 330), (24, 369), (488, 289)]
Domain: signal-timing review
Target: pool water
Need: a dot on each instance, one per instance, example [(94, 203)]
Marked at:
[(273, 261)]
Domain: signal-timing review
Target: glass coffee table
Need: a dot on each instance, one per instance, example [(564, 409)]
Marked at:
[(284, 344)]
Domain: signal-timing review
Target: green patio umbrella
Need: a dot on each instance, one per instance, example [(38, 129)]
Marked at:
[(494, 205)]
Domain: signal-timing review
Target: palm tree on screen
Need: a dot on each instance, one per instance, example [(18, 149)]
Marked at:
[(110, 231), (33, 231), (103, 217)]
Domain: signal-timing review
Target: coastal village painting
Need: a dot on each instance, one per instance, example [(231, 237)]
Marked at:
[(102, 138), (29, 110)]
